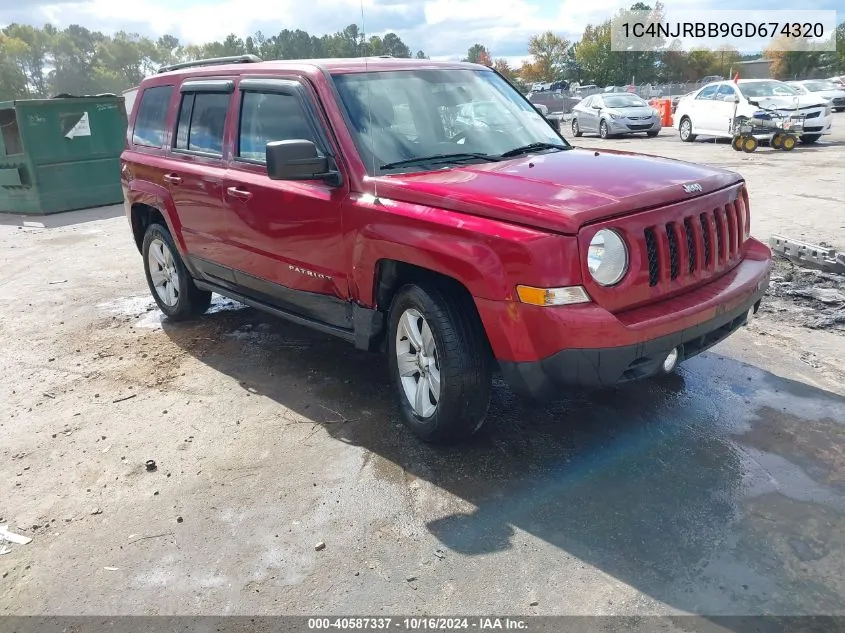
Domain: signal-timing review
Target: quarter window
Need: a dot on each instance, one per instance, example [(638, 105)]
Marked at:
[(202, 120), (267, 117), (152, 112)]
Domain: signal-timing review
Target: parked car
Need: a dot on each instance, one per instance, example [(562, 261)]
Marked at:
[(839, 81), (823, 88), (709, 79), (613, 114), (288, 186), (710, 110)]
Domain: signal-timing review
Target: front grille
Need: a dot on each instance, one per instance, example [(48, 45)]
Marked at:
[(674, 265), (815, 128), (651, 250), (707, 241), (839, 102), (639, 126)]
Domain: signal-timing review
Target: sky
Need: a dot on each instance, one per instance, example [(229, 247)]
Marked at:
[(444, 29)]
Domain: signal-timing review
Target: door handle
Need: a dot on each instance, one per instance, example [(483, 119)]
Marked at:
[(240, 194), (173, 179)]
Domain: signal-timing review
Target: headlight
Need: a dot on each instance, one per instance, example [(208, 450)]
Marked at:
[(654, 113), (607, 257), (615, 116)]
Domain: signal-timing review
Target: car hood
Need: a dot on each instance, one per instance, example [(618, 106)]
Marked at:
[(831, 94), (627, 112), (557, 191), (788, 103)]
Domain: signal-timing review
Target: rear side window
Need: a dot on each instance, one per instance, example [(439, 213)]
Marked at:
[(267, 117), (152, 112), (202, 120)]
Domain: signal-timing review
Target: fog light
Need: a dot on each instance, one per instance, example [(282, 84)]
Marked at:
[(670, 361)]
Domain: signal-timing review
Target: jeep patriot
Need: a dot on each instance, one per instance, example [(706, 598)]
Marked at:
[(348, 195)]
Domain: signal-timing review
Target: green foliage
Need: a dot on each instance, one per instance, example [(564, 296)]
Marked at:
[(47, 61)]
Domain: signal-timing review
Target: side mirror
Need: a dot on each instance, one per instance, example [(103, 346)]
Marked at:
[(596, 107), (736, 98), (296, 159), (754, 103)]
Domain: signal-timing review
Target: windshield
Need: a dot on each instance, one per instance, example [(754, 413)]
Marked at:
[(757, 89), (818, 86), (624, 101), (398, 116)]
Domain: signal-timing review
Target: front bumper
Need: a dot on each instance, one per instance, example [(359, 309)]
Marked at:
[(627, 126), (613, 365)]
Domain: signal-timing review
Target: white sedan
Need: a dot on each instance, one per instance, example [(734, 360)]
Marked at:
[(822, 88), (710, 110)]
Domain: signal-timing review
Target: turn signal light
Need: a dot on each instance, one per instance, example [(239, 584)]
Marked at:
[(552, 296)]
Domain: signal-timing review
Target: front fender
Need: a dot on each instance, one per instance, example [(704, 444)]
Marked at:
[(490, 258)]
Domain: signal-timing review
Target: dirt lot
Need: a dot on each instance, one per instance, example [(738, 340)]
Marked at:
[(718, 491)]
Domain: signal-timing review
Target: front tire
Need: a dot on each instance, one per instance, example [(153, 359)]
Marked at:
[(603, 131), (809, 139), (439, 362), (576, 129), (685, 130), (652, 133), (170, 282)]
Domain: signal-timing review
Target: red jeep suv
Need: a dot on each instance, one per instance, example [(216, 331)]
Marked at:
[(349, 195)]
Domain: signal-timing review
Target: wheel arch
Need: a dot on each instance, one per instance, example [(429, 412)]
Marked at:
[(393, 274)]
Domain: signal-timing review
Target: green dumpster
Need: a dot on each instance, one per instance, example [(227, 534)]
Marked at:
[(61, 154)]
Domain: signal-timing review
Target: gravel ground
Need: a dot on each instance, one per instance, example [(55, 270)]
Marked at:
[(284, 483)]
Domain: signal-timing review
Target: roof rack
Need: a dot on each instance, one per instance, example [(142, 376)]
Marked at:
[(212, 61)]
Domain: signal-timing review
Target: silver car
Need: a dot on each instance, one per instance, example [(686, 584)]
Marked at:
[(613, 114)]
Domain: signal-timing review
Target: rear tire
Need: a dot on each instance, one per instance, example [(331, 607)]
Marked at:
[(436, 339), (170, 282), (736, 143)]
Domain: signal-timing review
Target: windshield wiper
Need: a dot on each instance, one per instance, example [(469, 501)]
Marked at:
[(531, 147), (439, 158)]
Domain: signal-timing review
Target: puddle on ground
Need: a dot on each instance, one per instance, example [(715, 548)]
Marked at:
[(143, 308)]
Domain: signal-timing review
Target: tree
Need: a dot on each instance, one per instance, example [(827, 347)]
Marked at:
[(395, 47), (504, 69), (598, 63), (793, 64), (550, 54), (478, 54), (13, 80), (421, 55)]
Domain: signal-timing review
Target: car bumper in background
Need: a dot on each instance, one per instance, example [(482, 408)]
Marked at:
[(623, 126)]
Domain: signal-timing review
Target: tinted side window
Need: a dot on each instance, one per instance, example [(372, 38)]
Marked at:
[(202, 120), (152, 111), (269, 117), (708, 93), (726, 93)]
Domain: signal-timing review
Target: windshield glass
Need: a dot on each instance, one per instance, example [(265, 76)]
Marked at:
[(757, 89), (623, 101), (402, 115), (817, 86)]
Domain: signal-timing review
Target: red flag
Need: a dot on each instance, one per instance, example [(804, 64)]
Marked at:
[(736, 77)]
